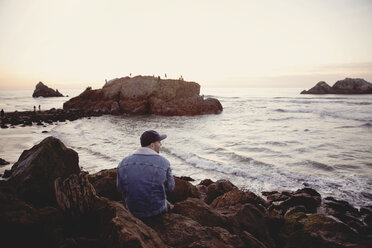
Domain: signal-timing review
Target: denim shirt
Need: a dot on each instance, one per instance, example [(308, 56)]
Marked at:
[(143, 178)]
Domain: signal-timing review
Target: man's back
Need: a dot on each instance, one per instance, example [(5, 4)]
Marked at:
[(144, 177)]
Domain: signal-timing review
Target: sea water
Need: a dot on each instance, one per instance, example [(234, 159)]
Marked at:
[(265, 139)]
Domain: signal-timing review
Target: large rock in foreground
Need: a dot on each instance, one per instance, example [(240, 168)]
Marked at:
[(34, 173), (346, 86), (44, 91), (145, 95)]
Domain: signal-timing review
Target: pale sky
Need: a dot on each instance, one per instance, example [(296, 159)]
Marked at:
[(217, 43)]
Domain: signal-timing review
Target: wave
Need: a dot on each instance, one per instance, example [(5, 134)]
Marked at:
[(280, 110), (318, 165), (282, 119), (359, 103), (368, 124)]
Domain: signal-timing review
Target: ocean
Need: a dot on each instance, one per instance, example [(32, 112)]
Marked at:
[(264, 140)]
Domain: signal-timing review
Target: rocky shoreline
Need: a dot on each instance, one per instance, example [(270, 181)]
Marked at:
[(48, 201), (29, 118)]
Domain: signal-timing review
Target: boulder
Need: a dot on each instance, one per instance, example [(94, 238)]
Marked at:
[(180, 231), (218, 188), (3, 162), (248, 217), (346, 86), (34, 173), (182, 190), (202, 213), (75, 195), (44, 91), (145, 95), (236, 196), (23, 225), (117, 227), (308, 198), (344, 212), (104, 182), (315, 230)]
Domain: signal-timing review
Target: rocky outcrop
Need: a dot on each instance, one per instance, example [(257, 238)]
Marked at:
[(346, 86), (145, 95), (34, 173), (211, 214), (44, 91), (3, 162), (29, 118)]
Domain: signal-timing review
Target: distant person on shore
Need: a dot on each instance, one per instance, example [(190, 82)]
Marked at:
[(2, 113), (39, 108), (34, 108), (144, 177)]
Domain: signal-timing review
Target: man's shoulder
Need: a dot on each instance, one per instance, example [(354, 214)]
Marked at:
[(164, 160)]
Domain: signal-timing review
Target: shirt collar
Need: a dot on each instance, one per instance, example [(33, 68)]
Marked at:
[(145, 151)]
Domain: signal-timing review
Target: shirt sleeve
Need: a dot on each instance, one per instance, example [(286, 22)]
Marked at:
[(169, 184)]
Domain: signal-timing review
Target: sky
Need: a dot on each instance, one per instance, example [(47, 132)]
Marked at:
[(217, 43)]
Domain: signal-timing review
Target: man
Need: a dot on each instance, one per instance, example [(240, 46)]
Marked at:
[(145, 176)]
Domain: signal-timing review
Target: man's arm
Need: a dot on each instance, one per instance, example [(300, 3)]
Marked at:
[(169, 184)]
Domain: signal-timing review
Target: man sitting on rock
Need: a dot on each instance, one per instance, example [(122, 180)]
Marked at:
[(145, 176)]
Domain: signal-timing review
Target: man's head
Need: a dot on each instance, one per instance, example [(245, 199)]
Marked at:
[(152, 139)]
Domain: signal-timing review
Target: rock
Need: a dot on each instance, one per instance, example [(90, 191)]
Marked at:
[(21, 224), (44, 91), (34, 173), (249, 218), (218, 188), (236, 196), (3, 162), (189, 179), (182, 191), (104, 183), (315, 230), (320, 88), (344, 212), (145, 95), (306, 197), (180, 231), (206, 182), (275, 196), (75, 195), (295, 209), (117, 227), (346, 86), (7, 174), (202, 213), (339, 206)]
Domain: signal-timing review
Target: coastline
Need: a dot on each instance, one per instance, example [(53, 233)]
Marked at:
[(215, 214)]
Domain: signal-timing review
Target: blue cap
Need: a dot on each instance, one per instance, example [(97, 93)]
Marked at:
[(151, 136)]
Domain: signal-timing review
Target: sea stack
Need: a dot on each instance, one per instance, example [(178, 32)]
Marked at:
[(44, 91), (145, 95), (346, 86)]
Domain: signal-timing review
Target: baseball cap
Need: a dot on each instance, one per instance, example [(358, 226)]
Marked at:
[(151, 136)]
